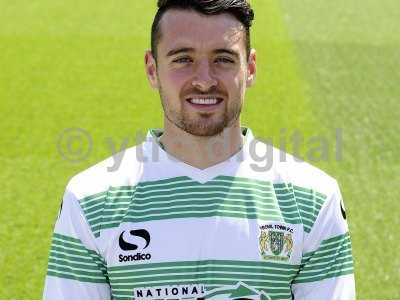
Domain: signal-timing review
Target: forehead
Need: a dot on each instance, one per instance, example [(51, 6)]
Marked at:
[(187, 28)]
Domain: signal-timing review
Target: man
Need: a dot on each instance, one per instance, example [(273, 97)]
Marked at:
[(189, 214)]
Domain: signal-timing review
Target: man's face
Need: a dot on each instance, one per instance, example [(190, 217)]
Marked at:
[(202, 71)]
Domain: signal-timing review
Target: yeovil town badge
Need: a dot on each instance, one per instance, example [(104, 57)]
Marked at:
[(276, 242)]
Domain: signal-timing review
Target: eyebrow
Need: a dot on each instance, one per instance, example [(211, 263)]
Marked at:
[(179, 50), (216, 51), (227, 51)]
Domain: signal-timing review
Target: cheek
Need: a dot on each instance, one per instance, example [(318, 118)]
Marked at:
[(234, 83), (174, 80), (179, 74)]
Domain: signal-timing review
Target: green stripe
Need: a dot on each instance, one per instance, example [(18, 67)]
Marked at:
[(107, 207), (87, 258), (94, 196), (328, 244), (333, 258), (190, 214), (66, 261), (335, 272), (188, 205), (180, 202), (285, 201), (79, 270), (261, 265), (116, 221), (220, 181), (323, 267), (308, 202), (181, 197), (69, 258), (75, 258), (273, 275), (202, 191)]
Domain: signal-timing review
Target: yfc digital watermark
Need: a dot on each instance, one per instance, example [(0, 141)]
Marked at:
[(76, 145)]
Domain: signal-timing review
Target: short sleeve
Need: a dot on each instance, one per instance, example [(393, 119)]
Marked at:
[(76, 270), (326, 270)]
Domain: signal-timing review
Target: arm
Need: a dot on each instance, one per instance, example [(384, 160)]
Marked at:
[(76, 270), (326, 270)]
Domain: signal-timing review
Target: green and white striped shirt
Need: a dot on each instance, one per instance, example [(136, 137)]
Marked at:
[(158, 228)]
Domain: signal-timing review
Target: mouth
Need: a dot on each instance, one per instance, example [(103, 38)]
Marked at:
[(204, 102)]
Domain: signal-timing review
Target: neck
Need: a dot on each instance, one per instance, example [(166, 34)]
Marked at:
[(202, 151)]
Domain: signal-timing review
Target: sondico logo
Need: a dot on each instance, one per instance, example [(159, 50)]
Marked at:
[(126, 246)]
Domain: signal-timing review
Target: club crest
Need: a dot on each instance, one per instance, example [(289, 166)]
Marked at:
[(276, 242)]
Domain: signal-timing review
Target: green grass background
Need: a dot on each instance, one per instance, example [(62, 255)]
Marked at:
[(321, 65)]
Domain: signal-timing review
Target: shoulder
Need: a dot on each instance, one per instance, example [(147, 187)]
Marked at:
[(121, 169), (305, 175), (286, 168)]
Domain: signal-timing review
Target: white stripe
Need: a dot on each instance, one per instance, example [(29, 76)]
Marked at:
[(325, 274), (75, 275), (294, 269), (73, 268), (208, 272), (280, 218)]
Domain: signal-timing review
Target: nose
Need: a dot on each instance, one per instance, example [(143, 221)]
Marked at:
[(204, 78)]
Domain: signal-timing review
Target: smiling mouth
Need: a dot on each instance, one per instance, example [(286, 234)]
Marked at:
[(204, 101)]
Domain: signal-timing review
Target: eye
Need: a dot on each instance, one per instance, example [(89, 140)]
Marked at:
[(224, 60), (182, 60)]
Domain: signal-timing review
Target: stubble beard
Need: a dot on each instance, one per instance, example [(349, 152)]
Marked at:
[(202, 125)]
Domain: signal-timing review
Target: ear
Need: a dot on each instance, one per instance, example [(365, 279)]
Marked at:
[(151, 69), (251, 68)]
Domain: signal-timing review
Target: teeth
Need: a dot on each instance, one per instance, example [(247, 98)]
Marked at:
[(203, 101)]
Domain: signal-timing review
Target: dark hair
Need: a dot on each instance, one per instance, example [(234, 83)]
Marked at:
[(240, 9)]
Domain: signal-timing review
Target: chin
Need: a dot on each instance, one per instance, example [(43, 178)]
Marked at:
[(206, 131)]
